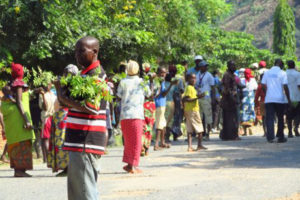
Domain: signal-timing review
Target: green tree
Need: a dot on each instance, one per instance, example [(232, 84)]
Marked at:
[(284, 41)]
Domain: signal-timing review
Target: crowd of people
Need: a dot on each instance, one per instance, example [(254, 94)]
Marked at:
[(155, 109)]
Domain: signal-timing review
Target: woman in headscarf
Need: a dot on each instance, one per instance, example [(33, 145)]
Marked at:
[(229, 104), (248, 104), (57, 158), (18, 125), (132, 92)]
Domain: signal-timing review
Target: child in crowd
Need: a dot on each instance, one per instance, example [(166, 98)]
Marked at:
[(191, 113), (46, 102), (160, 104)]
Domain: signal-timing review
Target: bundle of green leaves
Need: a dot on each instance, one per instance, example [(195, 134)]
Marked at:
[(88, 89), (42, 78)]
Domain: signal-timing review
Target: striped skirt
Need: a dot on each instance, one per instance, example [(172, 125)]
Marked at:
[(132, 132)]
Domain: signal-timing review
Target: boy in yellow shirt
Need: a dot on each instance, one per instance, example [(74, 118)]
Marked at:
[(191, 113)]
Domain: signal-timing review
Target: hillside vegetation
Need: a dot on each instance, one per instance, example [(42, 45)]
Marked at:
[(256, 17)]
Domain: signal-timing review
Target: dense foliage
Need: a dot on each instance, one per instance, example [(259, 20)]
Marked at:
[(43, 32), (284, 40)]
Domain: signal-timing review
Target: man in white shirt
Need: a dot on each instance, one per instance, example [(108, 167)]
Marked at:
[(206, 86), (293, 114), (276, 85)]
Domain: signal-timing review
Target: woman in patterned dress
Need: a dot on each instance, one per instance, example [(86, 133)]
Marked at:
[(57, 158), (149, 112), (248, 106)]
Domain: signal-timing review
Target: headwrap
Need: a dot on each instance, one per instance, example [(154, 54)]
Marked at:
[(262, 64), (72, 69), (132, 68), (248, 74), (17, 73), (254, 66)]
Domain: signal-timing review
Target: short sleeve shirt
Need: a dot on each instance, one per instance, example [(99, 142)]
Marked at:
[(132, 93), (275, 79), (293, 77), (171, 92), (206, 80), (161, 101), (191, 92)]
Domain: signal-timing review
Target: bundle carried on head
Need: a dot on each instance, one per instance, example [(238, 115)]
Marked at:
[(42, 78)]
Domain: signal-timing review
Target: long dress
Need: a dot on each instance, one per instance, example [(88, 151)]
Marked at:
[(229, 105), (57, 158), (19, 140), (248, 106)]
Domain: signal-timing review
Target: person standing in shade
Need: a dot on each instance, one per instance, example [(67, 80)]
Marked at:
[(160, 104), (206, 86), (216, 107), (293, 114), (85, 130), (276, 85), (46, 103)]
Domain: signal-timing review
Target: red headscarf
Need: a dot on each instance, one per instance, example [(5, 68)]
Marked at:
[(262, 64), (17, 74), (248, 74), (17, 71)]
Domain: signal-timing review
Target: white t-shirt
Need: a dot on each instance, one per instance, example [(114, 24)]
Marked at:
[(293, 77), (249, 86), (205, 81), (274, 79)]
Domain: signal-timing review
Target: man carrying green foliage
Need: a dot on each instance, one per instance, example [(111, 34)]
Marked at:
[(86, 127)]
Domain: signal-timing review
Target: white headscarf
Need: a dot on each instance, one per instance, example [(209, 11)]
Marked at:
[(132, 68)]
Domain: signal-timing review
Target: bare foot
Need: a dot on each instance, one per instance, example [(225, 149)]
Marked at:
[(199, 148), (128, 169), (157, 148), (166, 145), (3, 159), (190, 149), (137, 171)]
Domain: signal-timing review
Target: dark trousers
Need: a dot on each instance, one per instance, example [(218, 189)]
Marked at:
[(216, 109), (293, 114), (271, 110)]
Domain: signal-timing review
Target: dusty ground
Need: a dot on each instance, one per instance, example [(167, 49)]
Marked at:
[(249, 169)]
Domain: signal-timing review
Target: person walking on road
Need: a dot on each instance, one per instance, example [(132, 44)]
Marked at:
[(276, 85)]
